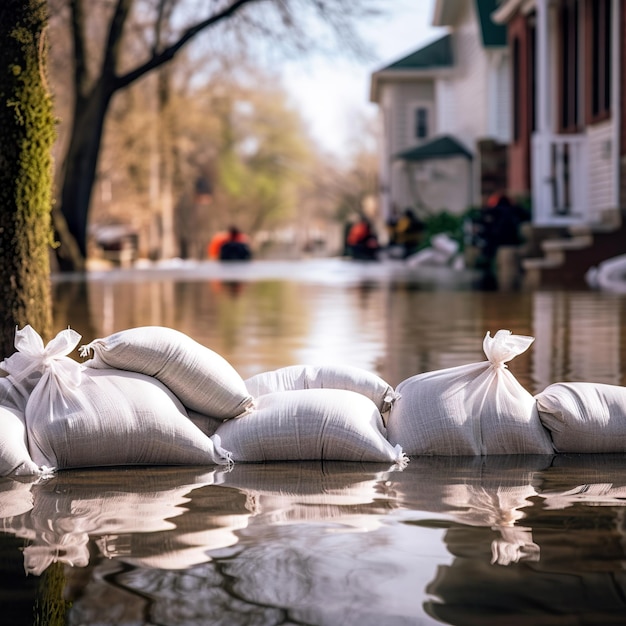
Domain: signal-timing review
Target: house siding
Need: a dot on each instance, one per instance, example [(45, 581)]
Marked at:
[(470, 101), (475, 105), (442, 184), (600, 140), (397, 102), (470, 83), (445, 103), (402, 99)]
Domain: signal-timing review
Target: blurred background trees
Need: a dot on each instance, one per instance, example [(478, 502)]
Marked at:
[(167, 142)]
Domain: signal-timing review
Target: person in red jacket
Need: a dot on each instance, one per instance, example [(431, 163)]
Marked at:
[(362, 240)]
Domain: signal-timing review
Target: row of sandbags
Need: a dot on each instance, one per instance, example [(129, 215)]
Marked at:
[(152, 395)]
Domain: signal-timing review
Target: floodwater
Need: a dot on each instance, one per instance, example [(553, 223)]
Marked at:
[(465, 541)]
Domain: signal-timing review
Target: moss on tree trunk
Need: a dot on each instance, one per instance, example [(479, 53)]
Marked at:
[(27, 133)]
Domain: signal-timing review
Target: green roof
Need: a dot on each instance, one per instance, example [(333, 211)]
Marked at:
[(439, 148), (436, 54), (493, 34)]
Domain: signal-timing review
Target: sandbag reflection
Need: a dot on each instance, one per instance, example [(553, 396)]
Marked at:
[(487, 492), (310, 551), (577, 519), (135, 515), (453, 540)]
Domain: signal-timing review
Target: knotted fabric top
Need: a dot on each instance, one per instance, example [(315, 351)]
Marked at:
[(505, 346), (44, 367)]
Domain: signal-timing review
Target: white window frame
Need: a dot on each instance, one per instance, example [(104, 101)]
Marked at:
[(414, 107)]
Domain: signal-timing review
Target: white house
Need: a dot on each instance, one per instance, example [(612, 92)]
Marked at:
[(445, 115)]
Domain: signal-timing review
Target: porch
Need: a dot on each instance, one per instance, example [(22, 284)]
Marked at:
[(561, 257)]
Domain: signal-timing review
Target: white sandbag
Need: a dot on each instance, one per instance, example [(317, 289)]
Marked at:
[(309, 424), (10, 395), (33, 360), (14, 456), (117, 418), (207, 424), (32, 364), (584, 417), (202, 379), (473, 409), (295, 377), (82, 417)]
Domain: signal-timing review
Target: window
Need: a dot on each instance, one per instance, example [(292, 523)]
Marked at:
[(421, 123), (600, 59)]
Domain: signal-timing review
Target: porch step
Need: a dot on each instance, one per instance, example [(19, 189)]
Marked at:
[(573, 243), (554, 252), (564, 261)]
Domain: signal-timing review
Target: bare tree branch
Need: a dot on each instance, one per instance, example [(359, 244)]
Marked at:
[(168, 53)]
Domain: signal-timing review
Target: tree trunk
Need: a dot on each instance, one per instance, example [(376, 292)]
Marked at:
[(81, 163), (27, 133)]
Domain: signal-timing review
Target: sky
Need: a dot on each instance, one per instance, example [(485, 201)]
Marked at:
[(333, 94)]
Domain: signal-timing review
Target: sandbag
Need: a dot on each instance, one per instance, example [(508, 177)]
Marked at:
[(117, 418), (474, 409), (309, 424), (24, 370), (14, 456), (82, 417), (584, 416), (202, 379), (295, 377)]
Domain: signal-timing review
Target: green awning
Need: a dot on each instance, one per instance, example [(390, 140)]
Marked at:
[(438, 148), (494, 35), (434, 55)]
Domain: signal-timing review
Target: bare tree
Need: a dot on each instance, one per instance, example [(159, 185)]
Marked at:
[(99, 75)]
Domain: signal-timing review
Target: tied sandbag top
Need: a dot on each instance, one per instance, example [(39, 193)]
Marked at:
[(32, 357), (37, 369), (504, 346)]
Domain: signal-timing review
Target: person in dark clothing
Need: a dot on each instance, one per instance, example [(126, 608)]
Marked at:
[(499, 225), (236, 247)]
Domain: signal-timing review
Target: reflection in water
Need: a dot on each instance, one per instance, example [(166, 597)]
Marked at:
[(395, 329), (59, 515), (461, 540), (494, 500)]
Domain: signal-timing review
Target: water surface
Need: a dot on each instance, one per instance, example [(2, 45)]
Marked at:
[(495, 540)]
